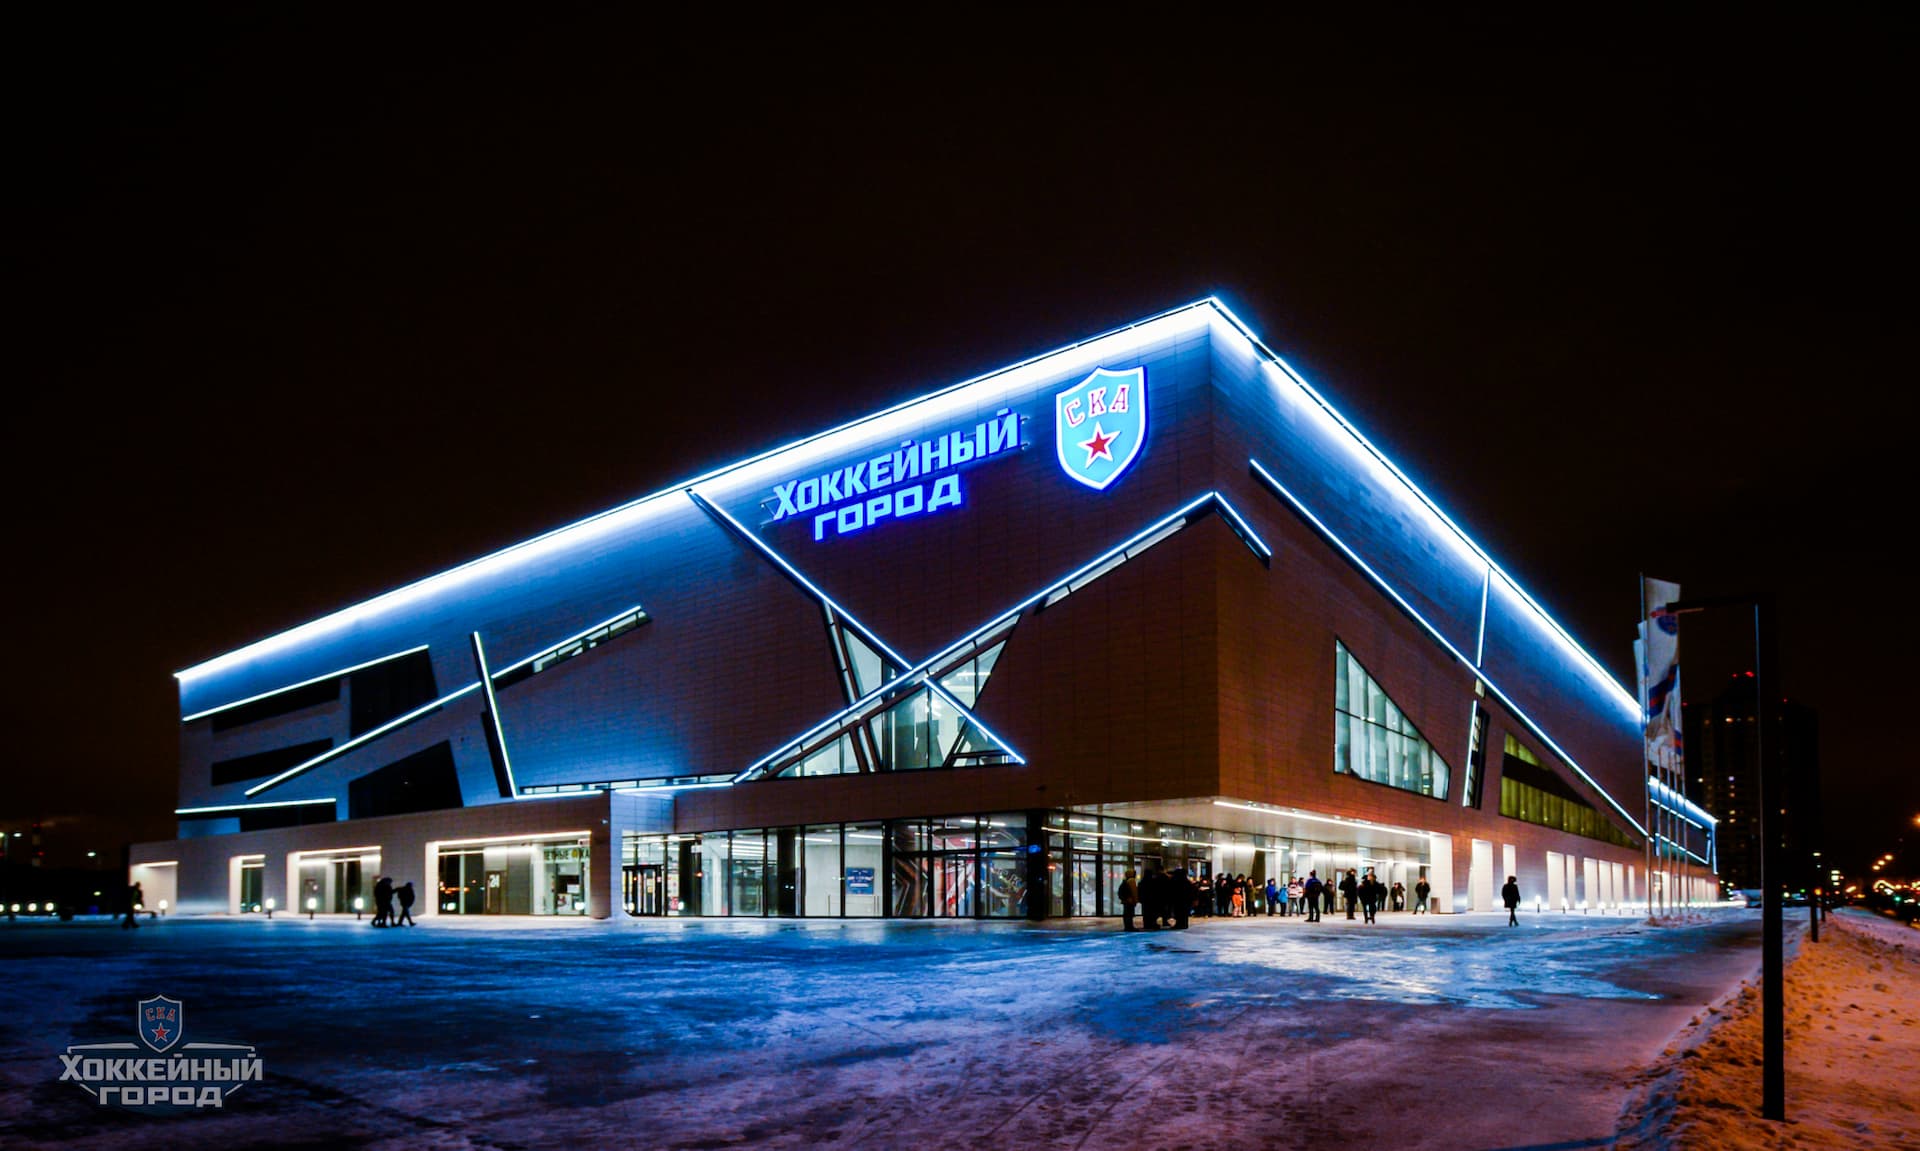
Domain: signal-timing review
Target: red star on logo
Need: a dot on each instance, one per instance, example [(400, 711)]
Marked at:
[(159, 1034), (1099, 447)]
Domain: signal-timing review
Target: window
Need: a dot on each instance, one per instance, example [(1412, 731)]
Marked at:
[(1374, 740), (1532, 792), (568, 649)]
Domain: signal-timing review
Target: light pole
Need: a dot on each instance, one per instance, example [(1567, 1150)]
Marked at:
[(1773, 865)]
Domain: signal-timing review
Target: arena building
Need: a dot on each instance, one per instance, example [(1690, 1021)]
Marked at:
[(1148, 600)]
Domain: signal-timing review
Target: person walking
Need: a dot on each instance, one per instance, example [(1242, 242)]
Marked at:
[(382, 902), (1184, 895), (1311, 891), (1239, 898), (1510, 894), (1152, 899), (1129, 894), (405, 893), (1421, 890), (1369, 896), (136, 899), (1274, 895), (1350, 891), (1295, 893), (1398, 896), (1326, 895)]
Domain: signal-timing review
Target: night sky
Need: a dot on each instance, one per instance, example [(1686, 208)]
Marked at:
[(306, 310)]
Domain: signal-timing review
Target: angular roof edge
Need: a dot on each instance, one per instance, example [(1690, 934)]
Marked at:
[(530, 548)]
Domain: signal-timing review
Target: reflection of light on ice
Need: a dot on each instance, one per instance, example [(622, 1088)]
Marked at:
[(1393, 973)]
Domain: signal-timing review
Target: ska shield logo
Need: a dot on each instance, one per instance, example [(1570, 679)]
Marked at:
[(1100, 425), (159, 1022)]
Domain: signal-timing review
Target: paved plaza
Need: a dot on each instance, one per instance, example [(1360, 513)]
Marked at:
[(1443, 1032)]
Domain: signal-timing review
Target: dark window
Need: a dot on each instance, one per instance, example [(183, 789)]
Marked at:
[(264, 763), (389, 690), (279, 703), (578, 645), (1477, 756), (423, 781)]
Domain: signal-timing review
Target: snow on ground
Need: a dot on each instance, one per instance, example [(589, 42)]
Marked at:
[(1429, 1032), (1852, 1052)]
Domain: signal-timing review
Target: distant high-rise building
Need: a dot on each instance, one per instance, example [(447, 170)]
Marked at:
[(1723, 776)]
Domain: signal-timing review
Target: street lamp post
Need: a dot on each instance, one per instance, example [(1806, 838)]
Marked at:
[(1773, 866)]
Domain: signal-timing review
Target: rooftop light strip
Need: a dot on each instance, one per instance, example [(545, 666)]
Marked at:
[(528, 838), (1246, 333), (1243, 528), (226, 807), (1354, 558), (656, 790), (1264, 809), (493, 715), (1654, 785), (739, 529), (297, 686), (358, 740), (526, 549), (583, 633)]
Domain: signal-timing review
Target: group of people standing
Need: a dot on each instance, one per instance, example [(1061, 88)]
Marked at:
[(1167, 899), (384, 893)]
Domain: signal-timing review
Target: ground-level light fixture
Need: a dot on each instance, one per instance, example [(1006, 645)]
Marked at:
[(359, 904), (311, 904), (270, 908), (163, 907)]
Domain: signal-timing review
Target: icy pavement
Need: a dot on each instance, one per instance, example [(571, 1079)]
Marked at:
[(1438, 1032)]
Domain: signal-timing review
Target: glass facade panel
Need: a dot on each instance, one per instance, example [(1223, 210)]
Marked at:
[(532, 878), (1374, 740), (710, 852), (865, 869)]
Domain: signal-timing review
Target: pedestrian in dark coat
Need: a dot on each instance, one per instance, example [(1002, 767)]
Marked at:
[(1273, 896), (1421, 890), (1369, 896), (1350, 891), (1510, 894), (135, 898), (1129, 895), (1311, 892), (382, 902), (1184, 894), (1152, 899), (405, 892)]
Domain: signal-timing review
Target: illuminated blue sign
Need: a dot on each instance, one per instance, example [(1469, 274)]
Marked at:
[(917, 478), (1100, 425)]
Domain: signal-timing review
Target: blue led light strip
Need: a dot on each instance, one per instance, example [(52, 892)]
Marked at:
[(1701, 860), (583, 633), (1354, 558), (1605, 677), (738, 529), (1687, 806), (526, 550), (251, 806), (364, 737), (493, 715), (297, 686), (920, 670)]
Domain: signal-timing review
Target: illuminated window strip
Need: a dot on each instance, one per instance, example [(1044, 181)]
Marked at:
[(551, 649), (1603, 676), (358, 740), (919, 671), (1384, 586), (1687, 806), (1135, 838), (1163, 326), (297, 686), (493, 716), (319, 854), (1264, 809), (535, 837), (250, 806), (1480, 645)]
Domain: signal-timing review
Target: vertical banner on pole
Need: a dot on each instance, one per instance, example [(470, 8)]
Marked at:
[(1659, 651)]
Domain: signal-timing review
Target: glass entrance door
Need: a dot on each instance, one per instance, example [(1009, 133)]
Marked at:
[(644, 889)]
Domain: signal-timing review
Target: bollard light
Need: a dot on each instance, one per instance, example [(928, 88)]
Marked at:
[(163, 907), (269, 908), (33, 907), (358, 905), (311, 904), (1537, 905)]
